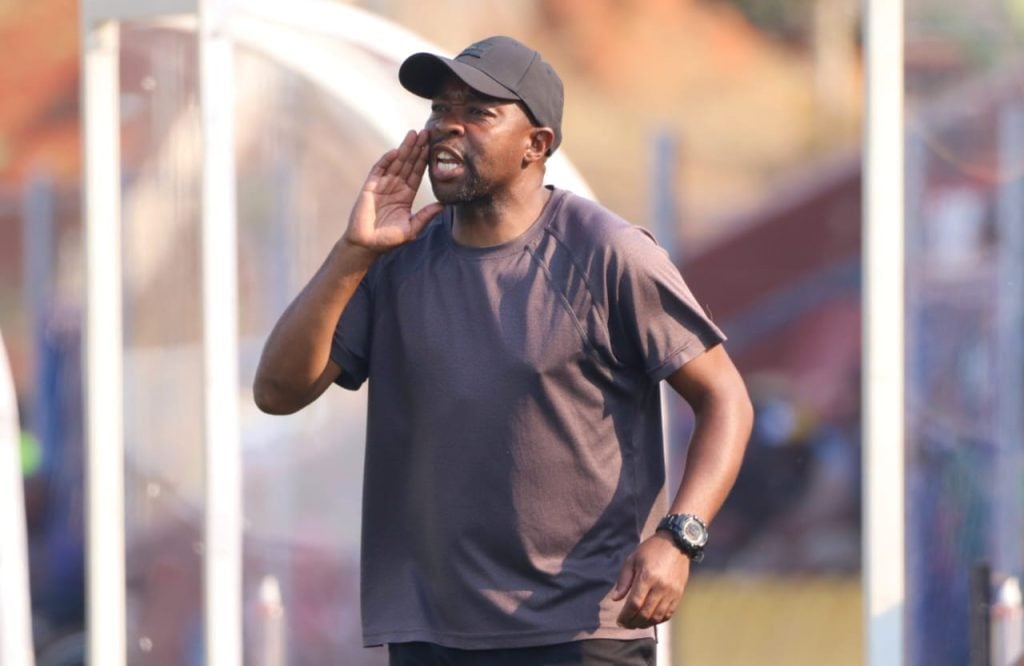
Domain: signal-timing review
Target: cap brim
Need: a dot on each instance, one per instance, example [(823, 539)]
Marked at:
[(423, 73)]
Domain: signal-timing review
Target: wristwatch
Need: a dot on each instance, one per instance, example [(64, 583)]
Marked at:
[(688, 531)]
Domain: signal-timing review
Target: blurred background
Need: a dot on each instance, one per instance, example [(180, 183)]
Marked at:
[(730, 128)]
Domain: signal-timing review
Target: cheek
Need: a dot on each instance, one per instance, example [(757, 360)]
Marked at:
[(495, 153), (511, 150)]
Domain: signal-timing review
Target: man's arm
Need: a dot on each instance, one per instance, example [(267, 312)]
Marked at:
[(295, 367), (654, 576)]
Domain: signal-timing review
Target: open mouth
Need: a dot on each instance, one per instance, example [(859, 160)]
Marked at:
[(445, 163)]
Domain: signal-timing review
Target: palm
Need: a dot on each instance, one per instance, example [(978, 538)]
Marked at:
[(382, 216)]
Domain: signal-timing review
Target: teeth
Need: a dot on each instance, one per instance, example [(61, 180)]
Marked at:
[(446, 160)]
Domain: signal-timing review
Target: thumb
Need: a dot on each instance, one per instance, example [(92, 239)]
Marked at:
[(625, 580), (424, 215)]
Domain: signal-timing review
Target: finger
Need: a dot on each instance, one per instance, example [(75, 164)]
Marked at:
[(646, 606), (624, 580), (404, 150), (412, 170), (410, 162), (666, 609), (648, 613), (384, 162), (421, 147), (419, 167), (423, 216), (630, 615)]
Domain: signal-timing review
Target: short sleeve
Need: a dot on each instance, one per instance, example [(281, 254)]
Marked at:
[(654, 318), (350, 348)]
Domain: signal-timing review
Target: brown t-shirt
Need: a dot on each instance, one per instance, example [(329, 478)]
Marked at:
[(514, 444)]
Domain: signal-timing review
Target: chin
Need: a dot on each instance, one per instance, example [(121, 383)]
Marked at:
[(456, 194)]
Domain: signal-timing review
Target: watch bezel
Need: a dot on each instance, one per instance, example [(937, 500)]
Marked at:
[(676, 523)]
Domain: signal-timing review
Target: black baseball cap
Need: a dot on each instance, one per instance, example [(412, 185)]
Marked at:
[(499, 67)]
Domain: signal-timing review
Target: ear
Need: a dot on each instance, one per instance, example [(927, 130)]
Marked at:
[(541, 139)]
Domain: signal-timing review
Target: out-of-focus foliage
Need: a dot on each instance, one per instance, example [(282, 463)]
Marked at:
[(1016, 10)]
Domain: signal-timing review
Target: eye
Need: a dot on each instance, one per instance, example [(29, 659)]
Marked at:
[(437, 107), (479, 111)]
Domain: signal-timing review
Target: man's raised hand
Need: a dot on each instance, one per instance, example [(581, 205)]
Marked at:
[(382, 217)]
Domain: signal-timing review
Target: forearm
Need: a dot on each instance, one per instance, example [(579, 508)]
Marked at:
[(714, 389), (714, 456), (294, 366)]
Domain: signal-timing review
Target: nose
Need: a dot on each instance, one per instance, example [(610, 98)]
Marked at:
[(446, 123)]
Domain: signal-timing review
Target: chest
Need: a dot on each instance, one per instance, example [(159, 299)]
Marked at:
[(487, 319)]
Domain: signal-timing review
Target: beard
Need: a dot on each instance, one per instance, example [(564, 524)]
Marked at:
[(470, 189)]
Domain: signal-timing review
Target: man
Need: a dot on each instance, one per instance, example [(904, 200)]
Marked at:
[(514, 336)]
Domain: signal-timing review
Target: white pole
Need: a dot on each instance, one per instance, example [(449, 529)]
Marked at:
[(15, 609), (272, 624), (1006, 628), (664, 631), (664, 223), (883, 308), (223, 529), (103, 348)]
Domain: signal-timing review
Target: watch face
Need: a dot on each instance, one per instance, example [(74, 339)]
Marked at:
[(695, 533)]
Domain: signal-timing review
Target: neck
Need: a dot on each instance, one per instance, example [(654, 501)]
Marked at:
[(498, 219)]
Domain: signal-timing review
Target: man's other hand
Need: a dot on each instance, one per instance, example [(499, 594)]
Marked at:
[(652, 581)]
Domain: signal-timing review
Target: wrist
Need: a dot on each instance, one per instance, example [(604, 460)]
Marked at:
[(664, 535), (360, 255), (687, 532)]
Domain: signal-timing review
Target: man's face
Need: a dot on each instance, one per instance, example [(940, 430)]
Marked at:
[(477, 144)]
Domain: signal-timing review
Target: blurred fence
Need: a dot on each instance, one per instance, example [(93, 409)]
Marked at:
[(965, 368)]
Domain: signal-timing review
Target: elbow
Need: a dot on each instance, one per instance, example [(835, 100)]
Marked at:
[(731, 402), (745, 409), (270, 399), (739, 406)]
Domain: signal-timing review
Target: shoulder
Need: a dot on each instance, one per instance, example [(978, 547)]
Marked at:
[(579, 217), (586, 228)]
